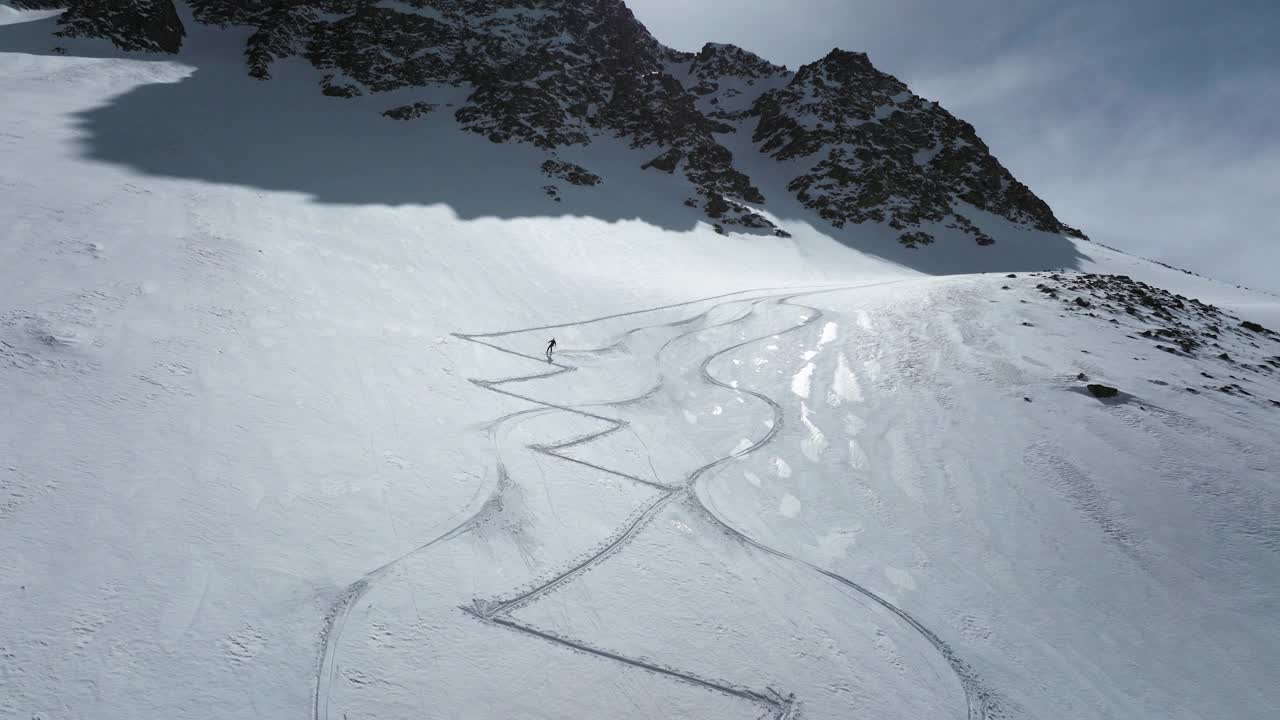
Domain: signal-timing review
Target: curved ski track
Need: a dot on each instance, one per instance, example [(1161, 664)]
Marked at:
[(779, 705), (335, 619)]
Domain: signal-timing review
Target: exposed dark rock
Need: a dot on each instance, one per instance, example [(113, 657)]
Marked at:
[(667, 162), (1102, 391), (410, 111), (731, 212), (915, 239), (884, 154), (1253, 327), (334, 90), (570, 173), (717, 61), (133, 25)]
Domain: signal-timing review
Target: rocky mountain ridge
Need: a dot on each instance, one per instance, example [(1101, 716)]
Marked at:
[(556, 74)]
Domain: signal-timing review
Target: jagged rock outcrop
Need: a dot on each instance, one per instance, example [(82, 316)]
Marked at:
[(883, 154), (570, 173), (557, 73), (728, 78), (133, 25)]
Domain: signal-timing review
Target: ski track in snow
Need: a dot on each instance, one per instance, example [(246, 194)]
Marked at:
[(778, 705)]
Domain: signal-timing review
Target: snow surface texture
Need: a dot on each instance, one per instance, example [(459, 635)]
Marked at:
[(245, 470)]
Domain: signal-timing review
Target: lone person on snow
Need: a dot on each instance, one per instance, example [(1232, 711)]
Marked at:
[(550, 347)]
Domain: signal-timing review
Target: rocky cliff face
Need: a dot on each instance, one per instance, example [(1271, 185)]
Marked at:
[(880, 153), (556, 73), (135, 25)]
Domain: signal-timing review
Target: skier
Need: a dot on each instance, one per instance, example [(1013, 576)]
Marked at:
[(550, 346)]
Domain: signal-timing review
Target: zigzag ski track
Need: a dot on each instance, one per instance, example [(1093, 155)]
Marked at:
[(778, 705)]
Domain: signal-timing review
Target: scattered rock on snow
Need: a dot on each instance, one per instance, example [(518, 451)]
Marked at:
[(1253, 326), (570, 173), (915, 239), (410, 111), (1099, 390)]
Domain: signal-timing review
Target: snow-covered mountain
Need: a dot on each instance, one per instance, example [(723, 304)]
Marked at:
[(278, 438), (859, 146)]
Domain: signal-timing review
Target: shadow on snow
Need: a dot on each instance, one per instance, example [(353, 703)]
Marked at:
[(219, 125)]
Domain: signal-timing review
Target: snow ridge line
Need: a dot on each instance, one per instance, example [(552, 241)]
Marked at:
[(975, 690), (335, 619)]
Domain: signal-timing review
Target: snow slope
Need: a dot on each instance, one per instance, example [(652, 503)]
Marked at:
[(269, 446)]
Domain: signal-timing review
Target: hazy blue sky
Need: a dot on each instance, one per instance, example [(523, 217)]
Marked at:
[(1153, 126)]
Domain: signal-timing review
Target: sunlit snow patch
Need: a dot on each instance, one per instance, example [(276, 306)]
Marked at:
[(801, 381), (829, 333), (844, 384), (816, 443)]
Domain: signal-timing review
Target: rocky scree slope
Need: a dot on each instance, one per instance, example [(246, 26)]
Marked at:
[(559, 73)]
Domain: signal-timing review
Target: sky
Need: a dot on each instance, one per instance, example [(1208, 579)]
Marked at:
[(1152, 126)]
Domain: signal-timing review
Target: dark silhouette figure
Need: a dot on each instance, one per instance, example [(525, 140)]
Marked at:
[(550, 347)]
